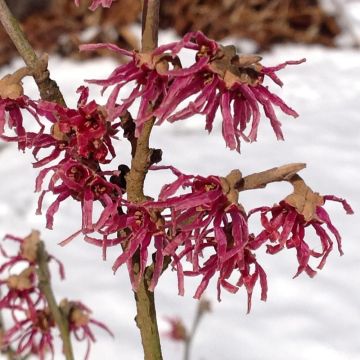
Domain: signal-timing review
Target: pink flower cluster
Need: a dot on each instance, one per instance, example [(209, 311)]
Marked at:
[(218, 79), (196, 224), (287, 226), (33, 326), (208, 228)]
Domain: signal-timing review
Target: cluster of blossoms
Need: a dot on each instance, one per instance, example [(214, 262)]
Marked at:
[(33, 326), (219, 78), (288, 223), (206, 226)]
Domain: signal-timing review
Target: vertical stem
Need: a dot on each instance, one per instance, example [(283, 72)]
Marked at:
[(141, 159), (202, 308), (45, 287), (150, 24), (146, 322), (145, 301), (47, 87)]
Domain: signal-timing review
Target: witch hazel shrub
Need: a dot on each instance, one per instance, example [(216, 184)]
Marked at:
[(197, 225)]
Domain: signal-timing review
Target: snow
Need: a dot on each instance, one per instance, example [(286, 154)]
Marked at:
[(303, 318)]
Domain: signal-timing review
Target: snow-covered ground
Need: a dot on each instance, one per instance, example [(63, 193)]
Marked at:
[(304, 318)]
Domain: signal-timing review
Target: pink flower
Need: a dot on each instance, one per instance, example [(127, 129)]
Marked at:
[(79, 139), (222, 79), (96, 3), (19, 291), (80, 322), (218, 77), (33, 324), (31, 331), (177, 331), (11, 117), (208, 228), (287, 227), (73, 179), (84, 132), (136, 230), (146, 70), (32, 335)]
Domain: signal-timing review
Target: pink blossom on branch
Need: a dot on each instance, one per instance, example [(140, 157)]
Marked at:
[(33, 327), (223, 80), (218, 77), (11, 118), (32, 335), (81, 323), (208, 229), (285, 226), (70, 179)]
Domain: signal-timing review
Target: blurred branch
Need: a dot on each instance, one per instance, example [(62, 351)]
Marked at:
[(46, 289), (202, 308), (48, 88)]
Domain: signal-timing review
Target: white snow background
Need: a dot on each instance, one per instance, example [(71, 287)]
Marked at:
[(303, 318)]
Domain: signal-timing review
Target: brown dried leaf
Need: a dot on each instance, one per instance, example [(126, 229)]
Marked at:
[(79, 317), (11, 84), (305, 202), (30, 245), (22, 281), (229, 185)]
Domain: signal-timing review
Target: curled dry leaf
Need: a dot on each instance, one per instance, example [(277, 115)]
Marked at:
[(22, 281), (305, 203), (30, 245), (11, 84)]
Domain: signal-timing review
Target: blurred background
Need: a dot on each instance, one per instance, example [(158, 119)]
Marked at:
[(57, 26)]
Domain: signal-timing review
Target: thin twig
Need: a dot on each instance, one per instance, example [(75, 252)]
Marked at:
[(48, 88), (150, 24), (46, 289), (261, 179), (202, 308)]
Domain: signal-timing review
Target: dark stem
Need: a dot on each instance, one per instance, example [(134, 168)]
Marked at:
[(48, 88), (46, 289)]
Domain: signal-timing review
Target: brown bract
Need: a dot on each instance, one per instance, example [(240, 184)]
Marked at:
[(305, 201), (229, 185), (160, 63), (11, 84), (22, 281), (234, 68), (44, 320), (79, 317), (30, 245)]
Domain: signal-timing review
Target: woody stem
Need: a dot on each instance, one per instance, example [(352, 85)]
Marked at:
[(145, 301)]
